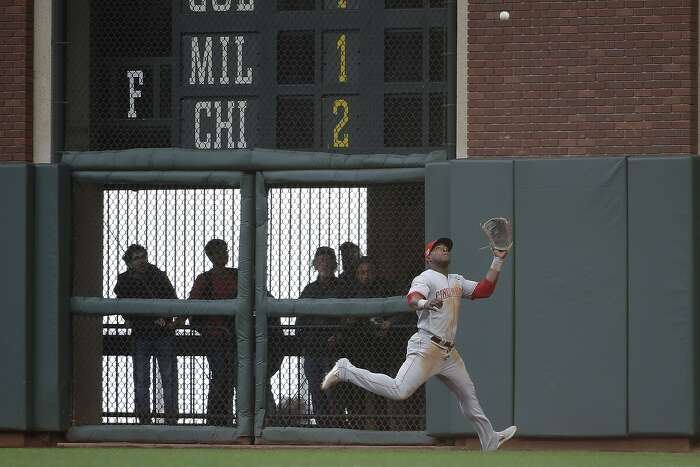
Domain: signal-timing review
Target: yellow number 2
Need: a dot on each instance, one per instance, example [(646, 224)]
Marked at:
[(340, 45), (345, 141), (342, 4)]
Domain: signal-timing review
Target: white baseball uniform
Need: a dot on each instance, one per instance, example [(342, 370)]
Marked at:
[(424, 358)]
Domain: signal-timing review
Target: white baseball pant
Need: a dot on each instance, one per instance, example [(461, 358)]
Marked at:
[(423, 360)]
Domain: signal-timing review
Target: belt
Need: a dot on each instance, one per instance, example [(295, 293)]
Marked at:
[(442, 343)]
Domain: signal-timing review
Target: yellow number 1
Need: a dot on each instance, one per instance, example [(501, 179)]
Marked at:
[(342, 3), (345, 141), (340, 45)]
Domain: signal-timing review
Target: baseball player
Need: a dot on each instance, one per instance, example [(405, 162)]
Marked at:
[(435, 295)]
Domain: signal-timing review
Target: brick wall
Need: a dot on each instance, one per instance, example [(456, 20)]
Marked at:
[(16, 80), (582, 77)]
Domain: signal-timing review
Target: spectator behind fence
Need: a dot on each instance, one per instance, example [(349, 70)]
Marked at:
[(385, 346), (366, 283), (368, 286), (349, 255), (317, 334), (358, 337), (218, 333), (150, 335), (357, 334)]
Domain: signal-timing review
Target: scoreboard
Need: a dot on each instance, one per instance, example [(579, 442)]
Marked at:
[(323, 75)]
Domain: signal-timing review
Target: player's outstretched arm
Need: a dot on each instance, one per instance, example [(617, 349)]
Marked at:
[(485, 288), (499, 256)]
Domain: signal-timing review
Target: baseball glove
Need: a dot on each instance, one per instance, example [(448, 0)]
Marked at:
[(499, 233)]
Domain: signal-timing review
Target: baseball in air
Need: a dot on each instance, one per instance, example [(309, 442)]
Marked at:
[(504, 15)]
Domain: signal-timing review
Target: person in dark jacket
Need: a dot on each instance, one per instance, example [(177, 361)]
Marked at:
[(218, 332), (317, 334), (349, 255), (150, 335), (359, 338)]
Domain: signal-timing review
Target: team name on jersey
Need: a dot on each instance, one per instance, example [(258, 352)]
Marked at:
[(449, 292)]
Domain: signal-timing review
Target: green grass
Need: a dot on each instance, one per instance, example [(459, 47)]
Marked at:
[(134, 457)]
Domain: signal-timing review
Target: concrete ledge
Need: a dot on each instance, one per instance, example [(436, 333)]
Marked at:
[(18, 439), (340, 436), (153, 434), (588, 444), (10, 439), (679, 445), (264, 446)]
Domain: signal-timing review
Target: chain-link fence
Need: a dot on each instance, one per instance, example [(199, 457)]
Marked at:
[(332, 75), (155, 242), (367, 232), (136, 372), (300, 354), (163, 229), (341, 242)]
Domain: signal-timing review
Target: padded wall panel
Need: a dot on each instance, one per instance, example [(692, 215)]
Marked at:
[(570, 297), (16, 185), (477, 190), (437, 224), (662, 323), (52, 352)]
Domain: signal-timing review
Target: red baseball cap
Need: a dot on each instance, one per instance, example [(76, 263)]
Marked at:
[(440, 241)]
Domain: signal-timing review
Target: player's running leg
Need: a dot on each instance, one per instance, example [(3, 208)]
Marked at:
[(420, 365), (455, 376)]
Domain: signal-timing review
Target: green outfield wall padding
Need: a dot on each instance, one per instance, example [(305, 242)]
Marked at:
[(471, 192), (243, 160), (570, 297), (339, 177), (260, 294), (16, 218), (162, 307), (437, 224), (662, 283), (342, 436), (153, 434), (206, 178), (246, 257), (336, 306), (244, 324), (437, 199), (51, 288), (260, 237)]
